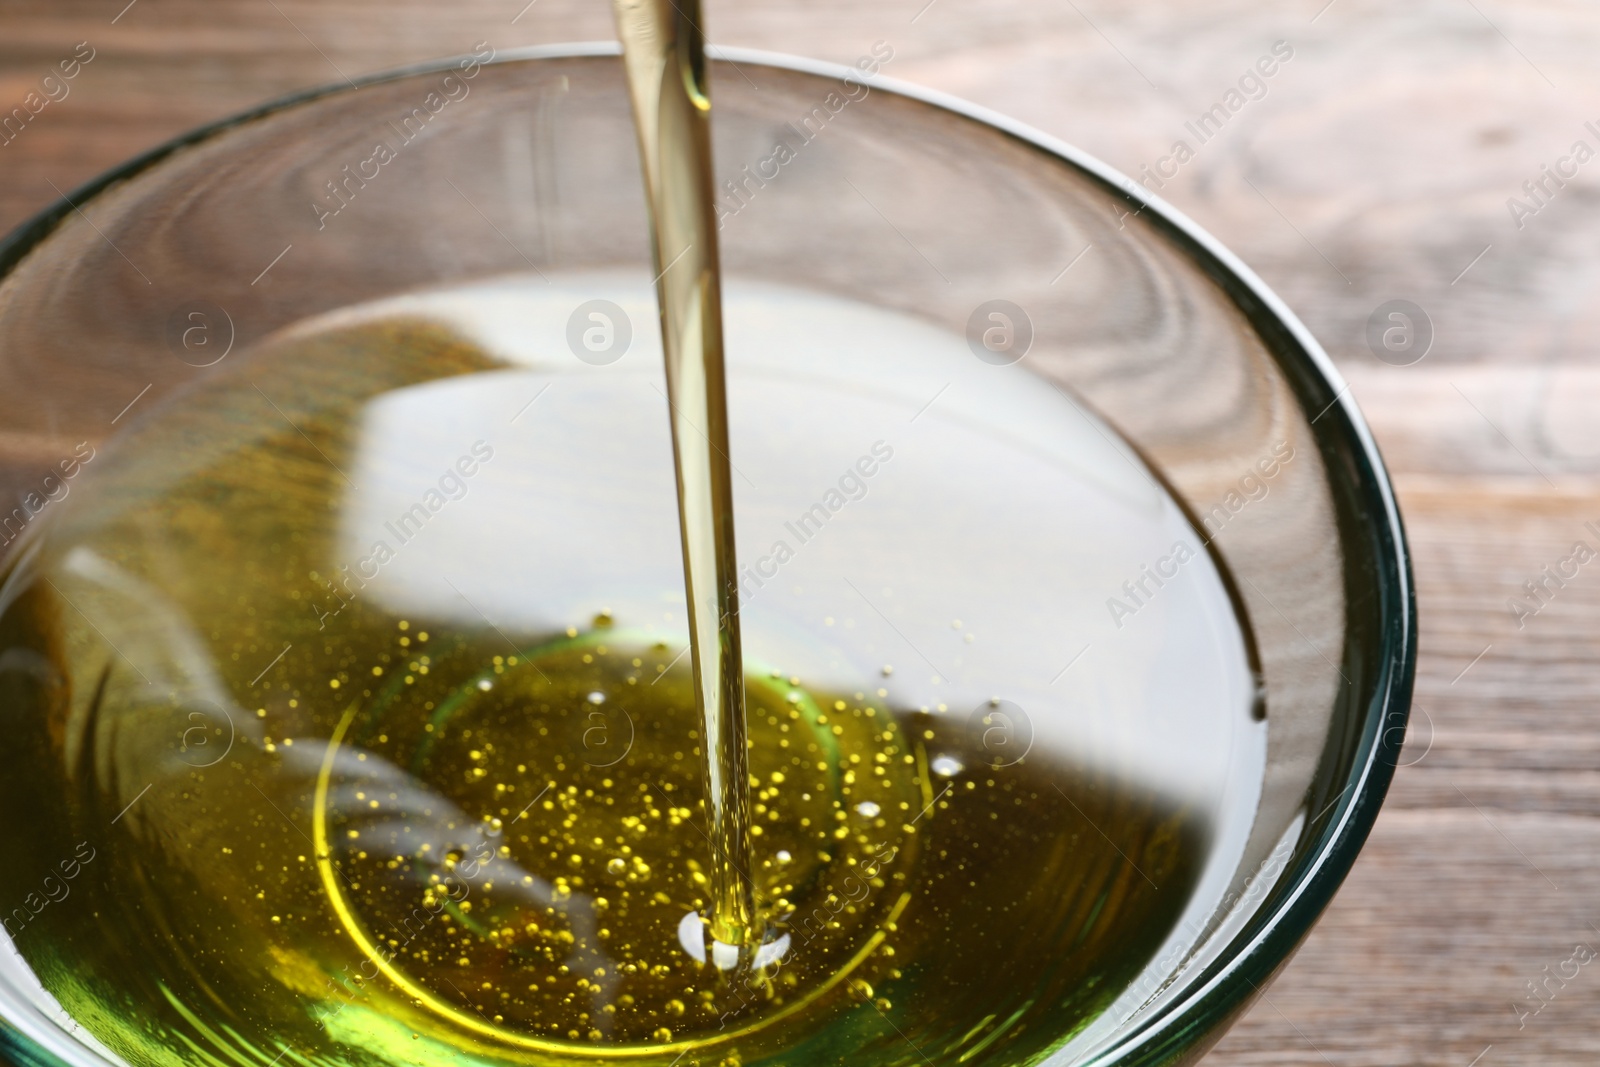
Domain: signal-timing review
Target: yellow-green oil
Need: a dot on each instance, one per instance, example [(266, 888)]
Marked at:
[(412, 840)]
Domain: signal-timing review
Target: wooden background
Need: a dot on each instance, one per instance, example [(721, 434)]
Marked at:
[(1376, 167)]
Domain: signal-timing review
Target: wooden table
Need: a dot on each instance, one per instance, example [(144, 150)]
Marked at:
[(1376, 166)]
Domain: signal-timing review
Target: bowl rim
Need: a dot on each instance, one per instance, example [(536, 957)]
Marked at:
[(1186, 1026)]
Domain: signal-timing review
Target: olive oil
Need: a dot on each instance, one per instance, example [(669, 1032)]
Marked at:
[(325, 799), (324, 830)]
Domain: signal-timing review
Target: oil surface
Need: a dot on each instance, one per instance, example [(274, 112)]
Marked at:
[(305, 827)]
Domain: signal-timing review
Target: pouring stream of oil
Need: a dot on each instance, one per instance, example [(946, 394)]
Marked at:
[(664, 54)]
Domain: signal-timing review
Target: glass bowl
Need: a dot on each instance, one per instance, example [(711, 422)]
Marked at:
[(1004, 250)]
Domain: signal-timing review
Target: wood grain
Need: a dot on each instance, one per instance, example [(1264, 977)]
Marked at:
[(1377, 165)]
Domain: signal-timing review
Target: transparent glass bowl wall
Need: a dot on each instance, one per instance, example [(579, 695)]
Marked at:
[(890, 197)]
